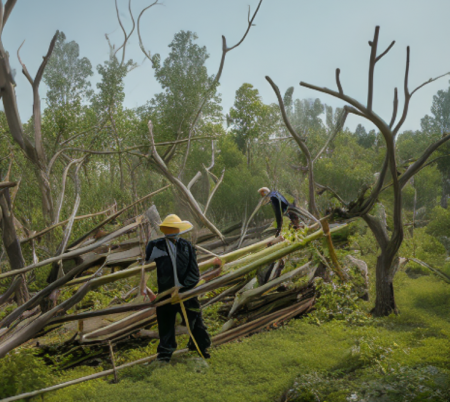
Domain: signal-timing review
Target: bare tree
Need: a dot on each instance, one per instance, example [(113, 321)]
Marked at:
[(389, 242), (32, 147)]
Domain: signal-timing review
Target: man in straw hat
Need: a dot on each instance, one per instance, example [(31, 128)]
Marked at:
[(176, 266), (280, 207)]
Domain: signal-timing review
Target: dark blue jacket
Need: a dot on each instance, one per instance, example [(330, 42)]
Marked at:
[(187, 267), (279, 205)]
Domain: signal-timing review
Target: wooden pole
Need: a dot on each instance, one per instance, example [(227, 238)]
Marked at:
[(113, 361)]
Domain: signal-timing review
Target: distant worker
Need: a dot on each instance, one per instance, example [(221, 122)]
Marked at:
[(176, 266), (280, 207)]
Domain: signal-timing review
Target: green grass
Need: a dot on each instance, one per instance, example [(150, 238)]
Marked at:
[(262, 367)]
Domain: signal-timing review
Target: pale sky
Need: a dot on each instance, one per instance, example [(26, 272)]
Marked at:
[(293, 41)]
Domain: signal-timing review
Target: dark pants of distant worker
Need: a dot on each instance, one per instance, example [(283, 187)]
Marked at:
[(166, 327)]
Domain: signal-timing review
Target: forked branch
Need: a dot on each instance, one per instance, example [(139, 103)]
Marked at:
[(301, 143)]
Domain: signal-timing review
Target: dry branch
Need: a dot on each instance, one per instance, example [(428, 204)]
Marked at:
[(114, 216), (5, 184), (181, 187), (73, 253)]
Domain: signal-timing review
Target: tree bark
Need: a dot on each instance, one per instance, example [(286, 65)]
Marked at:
[(385, 298), (12, 244)]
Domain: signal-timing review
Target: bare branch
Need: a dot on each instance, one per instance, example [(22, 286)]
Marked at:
[(250, 24), (338, 81), (68, 229), (394, 111), (428, 82), (1, 16), (312, 199), (225, 50), (213, 191), (141, 44), (76, 135), (7, 11), (407, 95), (415, 167), (385, 52), (73, 253), (50, 228), (336, 195), (34, 327), (372, 62), (199, 174), (337, 127), (24, 67), (351, 109), (361, 109), (40, 72), (181, 187), (121, 25), (63, 189), (124, 44), (5, 184), (114, 216)]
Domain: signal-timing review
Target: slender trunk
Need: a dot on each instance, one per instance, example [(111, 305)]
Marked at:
[(12, 244), (111, 171), (386, 266), (46, 195), (385, 299), (122, 181)]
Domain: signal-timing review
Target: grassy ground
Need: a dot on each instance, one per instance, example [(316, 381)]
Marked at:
[(395, 358)]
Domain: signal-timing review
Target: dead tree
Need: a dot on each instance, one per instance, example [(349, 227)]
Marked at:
[(193, 204), (11, 244), (32, 147), (389, 242)]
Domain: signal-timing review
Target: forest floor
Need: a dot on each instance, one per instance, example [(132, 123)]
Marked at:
[(397, 358)]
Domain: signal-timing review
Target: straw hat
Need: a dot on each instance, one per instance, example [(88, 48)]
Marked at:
[(263, 191), (172, 224)]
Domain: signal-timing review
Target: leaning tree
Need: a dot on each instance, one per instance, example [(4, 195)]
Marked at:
[(389, 243)]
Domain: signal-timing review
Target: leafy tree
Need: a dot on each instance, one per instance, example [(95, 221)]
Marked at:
[(364, 138), (436, 125), (251, 119), (185, 82), (305, 114), (66, 74)]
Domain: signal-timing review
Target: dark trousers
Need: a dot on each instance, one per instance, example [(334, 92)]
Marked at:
[(166, 315)]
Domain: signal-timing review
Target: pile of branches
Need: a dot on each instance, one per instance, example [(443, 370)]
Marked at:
[(247, 273)]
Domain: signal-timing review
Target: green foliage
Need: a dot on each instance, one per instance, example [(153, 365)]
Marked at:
[(66, 74), (365, 139), (403, 384), (349, 168), (185, 82), (337, 301), (251, 120), (23, 372), (440, 222)]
